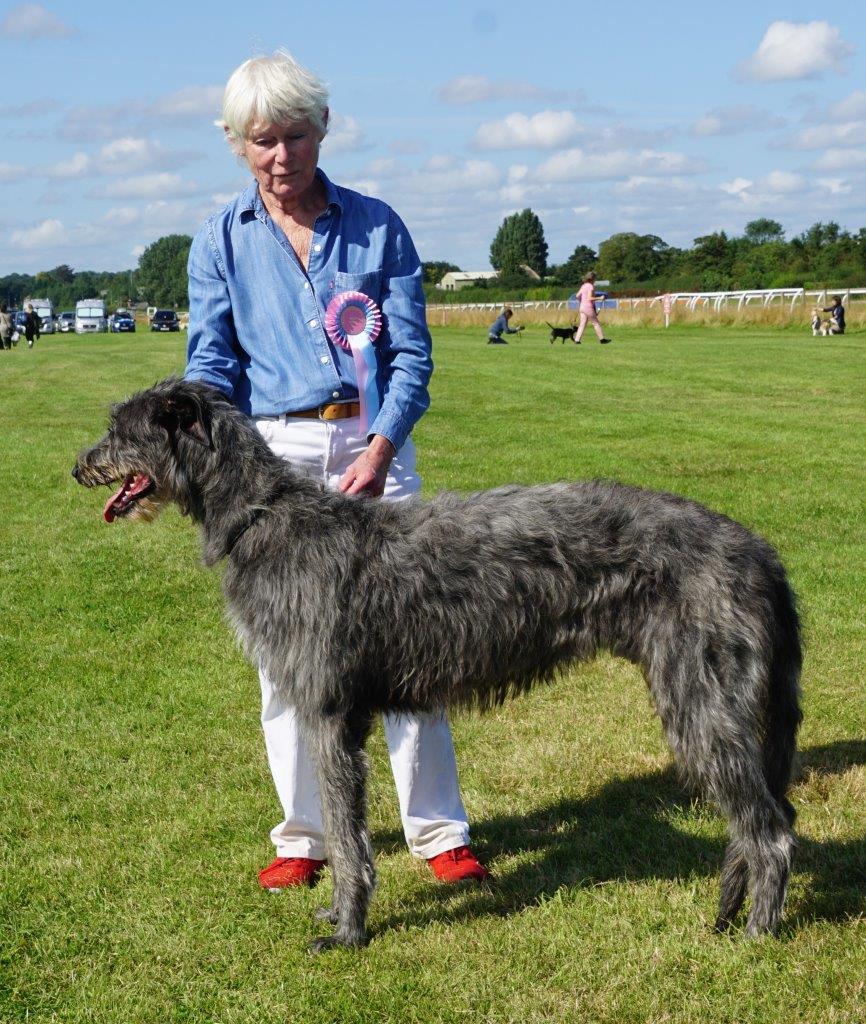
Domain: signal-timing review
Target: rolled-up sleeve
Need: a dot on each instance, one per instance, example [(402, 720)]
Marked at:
[(212, 354), (405, 350)]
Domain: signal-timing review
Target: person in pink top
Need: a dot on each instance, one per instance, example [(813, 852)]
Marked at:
[(586, 295)]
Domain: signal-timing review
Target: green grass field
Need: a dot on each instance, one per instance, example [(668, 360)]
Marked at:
[(135, 795)]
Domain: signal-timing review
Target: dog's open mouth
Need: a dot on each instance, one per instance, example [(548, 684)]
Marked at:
[(132, 490)]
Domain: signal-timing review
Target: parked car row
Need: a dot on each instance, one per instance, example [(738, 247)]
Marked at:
[(89, 316)]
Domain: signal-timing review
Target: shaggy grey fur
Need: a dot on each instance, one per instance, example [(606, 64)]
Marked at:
[(355, 607)]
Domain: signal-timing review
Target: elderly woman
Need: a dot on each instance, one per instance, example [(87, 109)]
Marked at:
[(262, 272)]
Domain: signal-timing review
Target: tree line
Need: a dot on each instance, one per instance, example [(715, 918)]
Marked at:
[(159, 280), (823, 255)]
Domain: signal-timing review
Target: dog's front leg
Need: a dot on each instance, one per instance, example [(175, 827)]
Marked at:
[(337, 745)]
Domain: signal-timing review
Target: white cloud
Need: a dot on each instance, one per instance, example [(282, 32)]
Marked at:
[(579, 165), (734, 120), (783, 181), (580, 210), (735, 187), (852, 108), (548, 129), (42, 236), (35, 108), (76, 166), (841, 160), (835, 186), (149, 186), (344, 135), (796, 50), (33, 21), (12, 172), (121, 216), (850, 133), (191, 101), (443, 174), (466, 89)]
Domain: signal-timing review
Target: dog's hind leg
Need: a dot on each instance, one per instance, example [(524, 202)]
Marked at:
[(705, 696), (337, 743)]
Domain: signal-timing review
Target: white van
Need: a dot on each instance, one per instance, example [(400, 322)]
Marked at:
[(44, 309), (90, 316)]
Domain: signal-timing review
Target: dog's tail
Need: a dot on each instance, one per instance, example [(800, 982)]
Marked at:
[(783, 699)]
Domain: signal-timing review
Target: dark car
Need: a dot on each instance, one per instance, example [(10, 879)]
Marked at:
[(66, 322), (164, 320), (122, 320)]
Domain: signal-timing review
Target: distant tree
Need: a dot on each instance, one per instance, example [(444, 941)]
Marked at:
[(819, 235), (162, 277), (763, 230), (577, 266), (630, 257), (435, 270), (519, 242)]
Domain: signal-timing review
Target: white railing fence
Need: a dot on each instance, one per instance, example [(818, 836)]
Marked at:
[(680, 301)]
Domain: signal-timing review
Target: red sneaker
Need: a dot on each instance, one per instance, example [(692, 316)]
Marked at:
[(287, 871), (458, 865)]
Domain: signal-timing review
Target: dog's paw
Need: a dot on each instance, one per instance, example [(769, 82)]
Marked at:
[(326, 942), (328, 914)]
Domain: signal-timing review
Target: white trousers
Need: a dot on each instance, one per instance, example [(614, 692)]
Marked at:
[(420, 747)]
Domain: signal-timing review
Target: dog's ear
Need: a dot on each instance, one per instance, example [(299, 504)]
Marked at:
[(185, 412)]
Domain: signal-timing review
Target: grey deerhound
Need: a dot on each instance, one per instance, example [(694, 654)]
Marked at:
[(355, 607)]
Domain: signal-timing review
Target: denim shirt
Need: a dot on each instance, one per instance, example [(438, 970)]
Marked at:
[(256, 319)]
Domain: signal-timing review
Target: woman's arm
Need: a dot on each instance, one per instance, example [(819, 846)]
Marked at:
[(211, 348)]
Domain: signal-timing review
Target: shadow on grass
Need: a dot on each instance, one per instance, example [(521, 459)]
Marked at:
[(627, 831)]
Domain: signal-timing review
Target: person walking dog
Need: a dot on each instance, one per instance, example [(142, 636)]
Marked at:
[(262, 274), (587, 295)]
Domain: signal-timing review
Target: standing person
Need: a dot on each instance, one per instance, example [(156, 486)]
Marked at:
[(261, 275), (587, 296), (837, 311), (500, 327), (32, 326), (5, 327)]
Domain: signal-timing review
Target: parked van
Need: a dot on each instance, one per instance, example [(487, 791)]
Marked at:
[(44, 309), (90, 316)]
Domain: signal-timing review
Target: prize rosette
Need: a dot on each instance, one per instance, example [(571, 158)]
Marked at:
[(353, 321)]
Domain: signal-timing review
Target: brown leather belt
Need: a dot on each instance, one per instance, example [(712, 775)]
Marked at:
[(329, 411)]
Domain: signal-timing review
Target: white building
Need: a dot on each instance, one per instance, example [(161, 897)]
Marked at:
[(454, 280)]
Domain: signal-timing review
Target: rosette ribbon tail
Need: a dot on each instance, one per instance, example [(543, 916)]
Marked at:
[(364, 355)]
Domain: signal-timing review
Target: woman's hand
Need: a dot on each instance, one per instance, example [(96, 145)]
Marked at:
[(368, 472)]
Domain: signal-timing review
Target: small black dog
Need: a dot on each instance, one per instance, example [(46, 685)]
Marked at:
[(565, 333)]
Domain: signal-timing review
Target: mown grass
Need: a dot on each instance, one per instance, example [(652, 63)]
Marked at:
[(135, 794)]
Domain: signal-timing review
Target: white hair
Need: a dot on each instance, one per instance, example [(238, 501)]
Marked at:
[(272, 90)]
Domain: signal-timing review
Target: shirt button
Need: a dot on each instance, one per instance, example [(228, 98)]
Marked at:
[(335, 394), (317, 248), (324, 359), (306, 284), (314, 323)]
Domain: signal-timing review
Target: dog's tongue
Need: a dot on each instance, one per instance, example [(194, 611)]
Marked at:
[(132, 486)]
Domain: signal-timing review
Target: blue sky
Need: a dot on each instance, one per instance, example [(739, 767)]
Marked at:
[(675, 119)]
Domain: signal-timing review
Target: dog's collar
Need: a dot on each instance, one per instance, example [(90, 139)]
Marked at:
[(241, 528)]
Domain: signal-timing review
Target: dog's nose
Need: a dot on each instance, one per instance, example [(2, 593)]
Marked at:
[(75, 471)]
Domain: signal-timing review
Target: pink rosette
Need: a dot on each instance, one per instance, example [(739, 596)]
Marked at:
[(353, 321)]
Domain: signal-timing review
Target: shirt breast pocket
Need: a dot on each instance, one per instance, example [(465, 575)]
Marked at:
[(369, 284)]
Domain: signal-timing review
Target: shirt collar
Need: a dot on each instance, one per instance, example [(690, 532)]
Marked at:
[(251, 200)]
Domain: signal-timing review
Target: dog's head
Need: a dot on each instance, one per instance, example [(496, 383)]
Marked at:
[(152, 439)]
